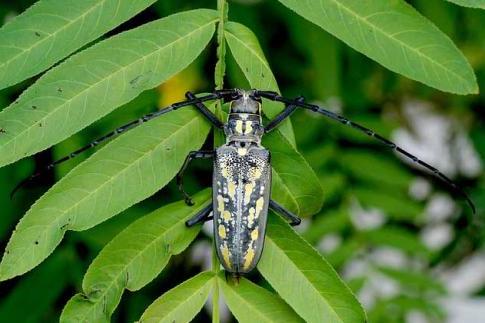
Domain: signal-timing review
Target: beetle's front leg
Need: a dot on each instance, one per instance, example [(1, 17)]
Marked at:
[(180, 175), (294, 220)]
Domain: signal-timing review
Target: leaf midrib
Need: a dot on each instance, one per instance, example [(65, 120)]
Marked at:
[(50, 36), (142, 251), (403, 44), (67, 102)]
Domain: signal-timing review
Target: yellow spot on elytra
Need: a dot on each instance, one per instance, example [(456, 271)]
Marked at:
[(225, 171), (249, 127), (242, 151), (251, 217), (220, 204), (249, 258), (226, 255), (239, 125), (248, 189), (226, 215), (259, 206), (231, 187), (222, 231), (257, 173), (254, 234)]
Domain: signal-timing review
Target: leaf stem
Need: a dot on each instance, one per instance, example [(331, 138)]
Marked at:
[(220, 70)]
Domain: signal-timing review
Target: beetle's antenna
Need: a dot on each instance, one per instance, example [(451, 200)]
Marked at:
[(329, 114), (221, 94)]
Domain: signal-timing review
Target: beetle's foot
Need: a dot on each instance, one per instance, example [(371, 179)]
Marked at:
[(189, 201)]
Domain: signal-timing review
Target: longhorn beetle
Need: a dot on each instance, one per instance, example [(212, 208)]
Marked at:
[(242, 171)]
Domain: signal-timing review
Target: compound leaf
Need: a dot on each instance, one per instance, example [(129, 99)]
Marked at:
[(250, 57), (133, 259), (96, 81), (396, 36), (251, 303), (122, 173), (52, 29), (181, 303), (302, 277), (295, 184), (470, 3)]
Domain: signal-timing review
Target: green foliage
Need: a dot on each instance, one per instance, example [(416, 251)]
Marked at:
[(103, 186), (181, 303), (251, 303), (115, 71), (133, 259), (80, 89), (470, 3), (395, 35), (301, 276), (47, 32)]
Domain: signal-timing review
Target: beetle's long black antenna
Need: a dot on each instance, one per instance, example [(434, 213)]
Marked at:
[(329, 114), (222, 94)]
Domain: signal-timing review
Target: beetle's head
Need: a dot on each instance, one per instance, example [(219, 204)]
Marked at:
[(246, 103)]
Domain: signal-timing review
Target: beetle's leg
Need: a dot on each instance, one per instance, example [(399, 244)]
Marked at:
[(294, 220), (336, 117), (205, 111), (180, 175), (289, 109), (202, 216)]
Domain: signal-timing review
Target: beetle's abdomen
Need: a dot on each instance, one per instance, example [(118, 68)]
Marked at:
[(241, 193)]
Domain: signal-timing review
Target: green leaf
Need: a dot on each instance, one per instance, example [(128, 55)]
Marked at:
[(39, 290), (251, 303), (302, 277), (133, 259), (52, 29), (250, 57), (295, 184), (470, 3), (396, 36), (181, 303), (122, 173), (94, 82)]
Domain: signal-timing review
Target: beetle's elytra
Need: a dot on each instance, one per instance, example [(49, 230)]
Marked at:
[(242, 171)]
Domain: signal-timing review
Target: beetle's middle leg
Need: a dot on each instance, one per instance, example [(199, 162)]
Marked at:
[(294, 220), (202, 216), (180, 175)]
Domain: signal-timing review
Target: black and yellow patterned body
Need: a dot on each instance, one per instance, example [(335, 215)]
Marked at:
[(241, 193), (241, 189)]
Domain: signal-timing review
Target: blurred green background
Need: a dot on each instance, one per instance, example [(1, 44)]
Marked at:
[(406, 245)]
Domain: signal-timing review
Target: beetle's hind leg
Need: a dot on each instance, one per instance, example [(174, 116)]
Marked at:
[(180, 175), (294, 220), (202, 216)]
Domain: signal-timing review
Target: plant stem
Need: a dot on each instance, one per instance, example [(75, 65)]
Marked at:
[(215, 293), (220, 71)]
